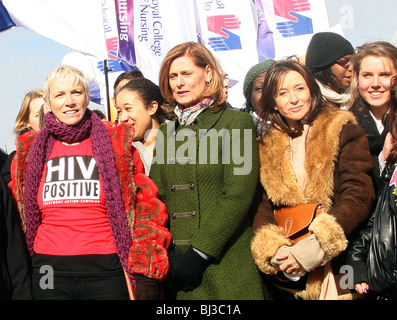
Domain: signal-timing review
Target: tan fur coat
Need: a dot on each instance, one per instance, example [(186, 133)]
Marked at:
[(338, 165)]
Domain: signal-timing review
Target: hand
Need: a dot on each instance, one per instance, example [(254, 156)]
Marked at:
[(284, 8), (147, 288), (290, 264), (113, 46), (216, 24), (304, 25), (190, 271), (175, 261), (388, 146), (361, 287), (308, 253), (114, 65), (230, 42)]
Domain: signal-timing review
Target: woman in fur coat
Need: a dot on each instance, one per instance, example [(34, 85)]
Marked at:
[(313, 152)]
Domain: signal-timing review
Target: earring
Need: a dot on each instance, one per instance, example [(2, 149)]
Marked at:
[(208, 83)]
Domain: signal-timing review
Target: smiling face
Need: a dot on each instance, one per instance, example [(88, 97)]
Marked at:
[(374, 81), (293, 98), (68, 101), (188, 81), (131, 109)]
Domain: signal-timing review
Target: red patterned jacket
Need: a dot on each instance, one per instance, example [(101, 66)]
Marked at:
[(145, 213)]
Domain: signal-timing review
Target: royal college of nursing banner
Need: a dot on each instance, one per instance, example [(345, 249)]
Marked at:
[(138, 33), (160, 25)]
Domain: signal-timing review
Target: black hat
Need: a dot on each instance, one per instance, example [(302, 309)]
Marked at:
[(324, 49)]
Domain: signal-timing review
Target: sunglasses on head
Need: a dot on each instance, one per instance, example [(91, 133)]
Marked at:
[(344, 63)]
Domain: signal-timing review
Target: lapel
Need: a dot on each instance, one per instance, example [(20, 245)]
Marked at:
[(322, 150), (207, 119)]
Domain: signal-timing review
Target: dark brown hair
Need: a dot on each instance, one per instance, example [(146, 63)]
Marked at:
[(274, 76)]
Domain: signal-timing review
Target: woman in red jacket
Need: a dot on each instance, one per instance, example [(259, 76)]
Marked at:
[(90, 214)]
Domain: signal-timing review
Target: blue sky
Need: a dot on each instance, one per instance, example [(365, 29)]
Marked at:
[(26, 58)]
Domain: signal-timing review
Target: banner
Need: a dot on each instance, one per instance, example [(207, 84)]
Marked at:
[(5, 19), (77, 24), (293, 23), (125, 24), (265, 42), (229, 29), (160, 25), (132, 34)]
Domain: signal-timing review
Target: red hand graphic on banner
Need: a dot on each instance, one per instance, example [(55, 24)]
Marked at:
[(216, 23), (112, 45), (282, 8)]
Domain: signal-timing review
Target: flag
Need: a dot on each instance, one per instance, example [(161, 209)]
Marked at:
[(265, 42), (230, 30), (293, 23), (125, 24), (77, 24), (159, 26), (5, 19), (137, 34)]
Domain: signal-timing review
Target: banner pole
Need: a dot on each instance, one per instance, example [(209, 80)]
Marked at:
[(106, 69)]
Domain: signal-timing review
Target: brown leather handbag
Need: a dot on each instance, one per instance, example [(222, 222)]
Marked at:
[(296, 220)]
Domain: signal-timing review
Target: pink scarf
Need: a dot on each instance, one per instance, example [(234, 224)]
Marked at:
[(187, 116)]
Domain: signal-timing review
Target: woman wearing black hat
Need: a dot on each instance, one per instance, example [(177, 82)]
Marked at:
[(328, 58)]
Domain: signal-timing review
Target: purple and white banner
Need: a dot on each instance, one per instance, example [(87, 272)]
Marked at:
[(125, 24), (159, 26), (138, 33)]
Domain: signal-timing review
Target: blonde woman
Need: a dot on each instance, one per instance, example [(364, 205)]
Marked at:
[(29, 113)]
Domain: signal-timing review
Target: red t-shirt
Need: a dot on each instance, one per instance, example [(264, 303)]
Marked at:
[(72, 202)]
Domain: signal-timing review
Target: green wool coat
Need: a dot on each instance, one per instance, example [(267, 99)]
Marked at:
[(207, 174)]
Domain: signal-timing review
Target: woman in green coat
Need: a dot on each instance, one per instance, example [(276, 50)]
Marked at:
[(206, 168)]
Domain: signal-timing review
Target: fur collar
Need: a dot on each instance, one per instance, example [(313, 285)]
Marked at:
[(322, 150)]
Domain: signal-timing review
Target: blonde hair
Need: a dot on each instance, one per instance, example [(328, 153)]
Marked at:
[(202, 58), (22, 120), (68, 73)]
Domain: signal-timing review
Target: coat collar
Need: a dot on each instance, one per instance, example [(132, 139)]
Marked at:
[(322, 150), (205, 120), (208, 118)]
